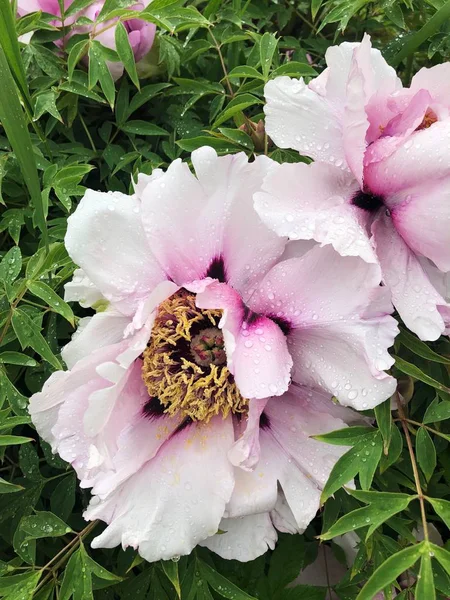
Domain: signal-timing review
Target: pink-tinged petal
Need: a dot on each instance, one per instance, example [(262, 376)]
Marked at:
[(436, 80), (136, 445), (28, 6), (176, 500), (211, 219), (282, 516), (293, 419), (422, 159), (244, 538), (343, 292), (417, 301), (245, 452), (256, 347), (298, 118), (340, 328), (340, 60), (80, 289), (262, 363), (355, 122), (58, 412), (141, 37), (301, 493), (312, 202), (103, 329), (421, 215), (106, 239)]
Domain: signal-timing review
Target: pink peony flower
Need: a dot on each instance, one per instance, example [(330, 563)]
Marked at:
[(380, 188), (177, 408), (141, 34)]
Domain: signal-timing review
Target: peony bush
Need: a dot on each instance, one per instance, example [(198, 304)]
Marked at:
[(225, 300)]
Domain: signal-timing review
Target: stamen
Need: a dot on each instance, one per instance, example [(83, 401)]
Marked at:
[(367, 201), (184, 364), (428, 120)]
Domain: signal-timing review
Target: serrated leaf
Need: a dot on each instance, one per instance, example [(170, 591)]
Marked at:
[(388, 572), (29, 335), (50, 297), (426, 452)]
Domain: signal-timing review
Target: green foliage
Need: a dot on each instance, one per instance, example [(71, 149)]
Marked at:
[(67, 125)]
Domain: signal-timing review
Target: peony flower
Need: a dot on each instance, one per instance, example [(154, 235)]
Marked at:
[(381, 185), (178, 407), (141, 34)]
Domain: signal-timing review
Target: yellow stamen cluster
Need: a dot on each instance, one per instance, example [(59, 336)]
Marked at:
[(169, 369), (428, 120)]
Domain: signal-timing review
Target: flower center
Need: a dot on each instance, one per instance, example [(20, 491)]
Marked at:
[(428, 120), (184, 364), (207, 347)]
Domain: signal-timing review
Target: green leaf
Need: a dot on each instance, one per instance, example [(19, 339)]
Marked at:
[(12, 440), (15, 125), (437, 411), (425, 589), (382, 506), (143, 128), (426, 452), (221, 585), (388, 572), (294, 69), (98, 71), (8, 488), (395, 450), (267, 46), (315, 7), (237, 136), (348, 436), (29, 335), (384, 421), (413, 343), (20, 586), (125, 53), (46, 102), (76, 53), (413, 371), (50, 297), (431, 26), (62, 499), (219, 144), (442, 556), (11, 265), (170, 568), (442, 507), (246, 71), (237, 105)]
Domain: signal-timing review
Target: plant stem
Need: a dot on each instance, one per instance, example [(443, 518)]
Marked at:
[(222, 62), (404, 422)]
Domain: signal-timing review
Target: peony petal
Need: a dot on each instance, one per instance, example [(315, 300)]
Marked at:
[(421, 160), (176, 500), (293, 419), (244, 538), (245, 452), (214, 228), (105, 238), (417, 301), (312, 202), (256, 347), (298, 118), (80, 289), (103, 329), (339, 324), (421, 215), (436, 80)]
